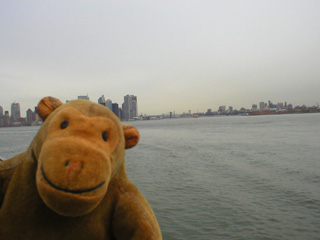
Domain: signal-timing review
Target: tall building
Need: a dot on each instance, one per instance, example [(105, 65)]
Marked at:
[(1, 111), (115, 109), (262, 105), (31, 116), (130, 107), (222, 109), (15, 112), (109, 104), (121, 116), (280, 106), (5, 120), (271, 105), (102, 100), (254, 107)]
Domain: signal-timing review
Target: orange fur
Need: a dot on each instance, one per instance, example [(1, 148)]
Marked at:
[(71, 182)]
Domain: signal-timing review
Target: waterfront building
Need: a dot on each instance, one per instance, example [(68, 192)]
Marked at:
[(1, 111), (271, 105), (262, 105), (38, 119), (121, 116), (5, 121), (230, 109), (130, 107), (84, 97), (102, 100), (222, 109), (280, 106), (254, 107), (15, 112), (115, 109), (109, 104), (31, 116)]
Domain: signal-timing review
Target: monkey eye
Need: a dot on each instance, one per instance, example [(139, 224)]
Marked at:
[(64, 124), (105, 136)]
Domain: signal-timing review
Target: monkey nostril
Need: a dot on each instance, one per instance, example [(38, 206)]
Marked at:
[(73, 164)]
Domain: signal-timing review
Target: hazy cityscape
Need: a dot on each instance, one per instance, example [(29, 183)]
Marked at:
[(128, 111)]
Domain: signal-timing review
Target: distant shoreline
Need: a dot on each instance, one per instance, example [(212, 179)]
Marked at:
[(265, 113), (285, 112)]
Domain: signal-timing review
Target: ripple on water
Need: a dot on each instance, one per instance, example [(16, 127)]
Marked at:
[(225, 178)]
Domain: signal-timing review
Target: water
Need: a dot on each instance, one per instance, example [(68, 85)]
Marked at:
[(223, 177)]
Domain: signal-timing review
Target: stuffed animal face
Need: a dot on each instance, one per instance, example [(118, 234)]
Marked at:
[(79, 149)]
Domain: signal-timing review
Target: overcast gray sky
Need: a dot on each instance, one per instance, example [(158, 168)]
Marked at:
[(175, 55)]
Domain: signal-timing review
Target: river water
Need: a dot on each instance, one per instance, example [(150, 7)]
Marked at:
[(250, 177)]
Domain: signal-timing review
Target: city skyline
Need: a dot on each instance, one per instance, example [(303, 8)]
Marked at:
[(221, 108), (175, 55)]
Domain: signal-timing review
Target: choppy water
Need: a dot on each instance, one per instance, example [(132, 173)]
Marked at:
[(223, 177)]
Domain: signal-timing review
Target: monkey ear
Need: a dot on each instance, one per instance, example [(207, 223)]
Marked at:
[(131, 136), (47, 105)]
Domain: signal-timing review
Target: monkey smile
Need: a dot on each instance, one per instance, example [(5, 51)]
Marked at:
[(67, 190)]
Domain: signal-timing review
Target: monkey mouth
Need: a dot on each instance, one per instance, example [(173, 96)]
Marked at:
[(76, 191)]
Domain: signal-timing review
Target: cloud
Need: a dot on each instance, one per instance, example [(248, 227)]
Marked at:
[(173, 55)]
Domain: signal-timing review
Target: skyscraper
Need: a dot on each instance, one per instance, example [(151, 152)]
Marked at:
[(115, 109), (1, 111), (15, 112), (254, 107), (262, 105), (109, 104), (102, 100), (31, 116), (130, 107), (222, 109)]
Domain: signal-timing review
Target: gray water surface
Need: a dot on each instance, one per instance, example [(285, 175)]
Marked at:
[(223, 177)]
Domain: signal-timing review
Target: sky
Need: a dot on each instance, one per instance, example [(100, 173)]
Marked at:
[(174, 55)]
